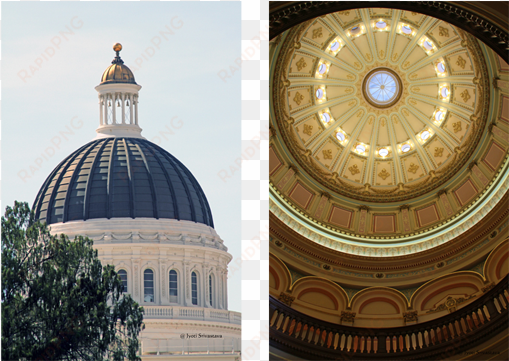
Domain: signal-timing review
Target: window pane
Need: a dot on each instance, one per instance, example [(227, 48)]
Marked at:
[(210, 289), (173, 286), (148, 277), (123, 276), (194, 288)]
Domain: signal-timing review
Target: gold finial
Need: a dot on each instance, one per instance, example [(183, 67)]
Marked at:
[(117, 47)]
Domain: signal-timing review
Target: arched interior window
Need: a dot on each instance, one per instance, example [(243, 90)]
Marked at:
[(210, 289), (173, 286), (148, 279), (123, 276), (194, 288)]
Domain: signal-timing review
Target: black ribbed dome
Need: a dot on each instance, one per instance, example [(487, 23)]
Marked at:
[(121, 177)]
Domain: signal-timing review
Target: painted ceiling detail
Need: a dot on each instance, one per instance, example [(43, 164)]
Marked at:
[(332, 123), (380, 130)]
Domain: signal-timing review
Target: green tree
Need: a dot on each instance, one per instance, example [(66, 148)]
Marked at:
[(58, 301)]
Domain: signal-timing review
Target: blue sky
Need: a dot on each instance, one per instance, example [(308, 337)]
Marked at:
[(53, 55)]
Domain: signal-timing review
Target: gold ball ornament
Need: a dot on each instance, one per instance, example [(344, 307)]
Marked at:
[(117, 47)]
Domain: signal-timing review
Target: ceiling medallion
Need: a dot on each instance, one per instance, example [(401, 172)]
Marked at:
[(382, 87)]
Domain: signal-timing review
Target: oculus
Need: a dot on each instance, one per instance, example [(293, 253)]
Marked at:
[(382, 87)]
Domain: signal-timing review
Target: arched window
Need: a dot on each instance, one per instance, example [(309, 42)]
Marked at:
[(173, 286), (211, 282), (148, 279), (123, 276), (194, 288)]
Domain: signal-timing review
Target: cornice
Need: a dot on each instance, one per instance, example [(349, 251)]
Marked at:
[(470, 16), (453, 248)]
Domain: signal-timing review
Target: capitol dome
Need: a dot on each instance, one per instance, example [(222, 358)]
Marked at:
[(149, 218), (102, 180)]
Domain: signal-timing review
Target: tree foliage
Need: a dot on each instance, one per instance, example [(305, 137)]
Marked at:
[(58, 301)]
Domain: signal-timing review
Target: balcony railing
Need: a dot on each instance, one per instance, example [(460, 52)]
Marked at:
[(192, 313), (295, 332)]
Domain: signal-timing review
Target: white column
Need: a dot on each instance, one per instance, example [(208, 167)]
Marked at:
[(131, 105), (136, 118), (114, 108), (122, 95), (100, 110), (225, 289), (105, 98)]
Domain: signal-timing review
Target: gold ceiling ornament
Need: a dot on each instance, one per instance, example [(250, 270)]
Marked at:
[(413, 168), (350, 76), (438, 151), (383, 122), (382, 54), (414, 75), (461, 62), (465, 95), (298, 98), (443, 31), (301, 64), (384, 174), (370, 119), (368, 57), (308, 129), (354, 169), (351, 103), (307, 163), (286, 298), (327, 154), (416, 89), (345, 13), (395, 57), (357, 65), (456, 127), (317, 33), (395, 119)]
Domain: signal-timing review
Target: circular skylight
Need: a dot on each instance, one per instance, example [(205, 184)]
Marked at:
[(360, 148), (355, 30), (406, 29), (427, 44), (405, 148), (340, 136), (383, 152), (381, 24), (319, 93), (335, 46), (382, 88), (325, 117), (445, 92), (438, 115), (425, 135), (441, 67), (322, 68)]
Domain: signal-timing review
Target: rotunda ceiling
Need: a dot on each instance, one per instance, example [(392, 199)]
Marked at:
[(381, 114)]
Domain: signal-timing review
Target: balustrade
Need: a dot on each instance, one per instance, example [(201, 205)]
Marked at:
[(453, 329)]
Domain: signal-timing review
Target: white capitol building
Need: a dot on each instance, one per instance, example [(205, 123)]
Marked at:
[(149, 217)]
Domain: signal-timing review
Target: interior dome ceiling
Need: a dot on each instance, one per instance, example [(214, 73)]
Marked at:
[(434, 59), (401, 151)]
